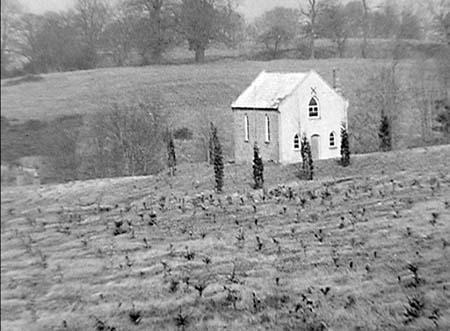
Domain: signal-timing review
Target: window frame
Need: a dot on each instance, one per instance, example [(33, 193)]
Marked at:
[(311, 107), (297, 141), (267, 128), (332, 134), (246, 128)]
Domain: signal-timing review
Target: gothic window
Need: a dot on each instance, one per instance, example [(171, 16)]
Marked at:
[(296, 142), (313, 108), (332, 139)]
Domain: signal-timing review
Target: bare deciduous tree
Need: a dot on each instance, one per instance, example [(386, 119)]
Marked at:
[(92, 16), (380, 99), (440, 12), (333, 23), (198, 25), (154, 28), (232, 25), (51, 42), (10, 10), (409, 25), (365, 28), (118, 35), (310, 13), (277, 28), (384, 21), (125, 139), (201, 22), (29, 43)]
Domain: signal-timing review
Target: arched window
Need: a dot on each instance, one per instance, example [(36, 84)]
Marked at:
[(332, 140), (246, 128), (267, 129), (296, 142), (313, 108)]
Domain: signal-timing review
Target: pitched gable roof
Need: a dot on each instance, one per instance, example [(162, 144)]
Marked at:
[(268, 90)]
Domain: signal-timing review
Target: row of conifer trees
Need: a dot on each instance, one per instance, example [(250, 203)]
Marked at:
[(216, 158)]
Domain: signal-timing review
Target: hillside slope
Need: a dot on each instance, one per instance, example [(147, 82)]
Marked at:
[(365, 247), (180, 87), (194, 95)]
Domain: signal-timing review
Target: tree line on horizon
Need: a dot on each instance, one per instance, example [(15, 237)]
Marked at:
[(93, 29)]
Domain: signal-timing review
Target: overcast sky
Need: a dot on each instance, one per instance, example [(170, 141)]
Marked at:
[(41, 6)]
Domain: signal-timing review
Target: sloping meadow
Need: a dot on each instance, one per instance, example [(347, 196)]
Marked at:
[(364, 249)]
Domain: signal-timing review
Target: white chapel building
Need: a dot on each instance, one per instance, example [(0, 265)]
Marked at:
[(277, 109)]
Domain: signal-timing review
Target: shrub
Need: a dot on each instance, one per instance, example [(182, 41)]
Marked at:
[(182, 320), (325, 52), (384, 134), (443, 118), (135, 315), (303, 51), (182, 134)]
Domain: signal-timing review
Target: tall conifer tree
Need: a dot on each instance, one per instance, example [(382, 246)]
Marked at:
[(345, 148), (258, 168), (171, 157), (218, 159), (307, 164)]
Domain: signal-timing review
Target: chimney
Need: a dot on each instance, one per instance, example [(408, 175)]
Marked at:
[(334, 78), (336, 85)]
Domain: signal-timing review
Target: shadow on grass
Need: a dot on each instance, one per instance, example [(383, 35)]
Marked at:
[(24, 79)]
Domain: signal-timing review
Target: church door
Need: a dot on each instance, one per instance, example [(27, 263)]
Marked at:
[(315, 146)]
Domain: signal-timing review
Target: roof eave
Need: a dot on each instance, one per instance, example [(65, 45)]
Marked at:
[(253, 108)]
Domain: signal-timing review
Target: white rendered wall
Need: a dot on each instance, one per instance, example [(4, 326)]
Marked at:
[(294, 119)]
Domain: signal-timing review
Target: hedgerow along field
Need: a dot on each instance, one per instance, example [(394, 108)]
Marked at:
[(359, 248), (194, 95)]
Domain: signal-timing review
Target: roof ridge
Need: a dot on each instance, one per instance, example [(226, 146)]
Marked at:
[(297, 85), (286, 72), (270, 89)]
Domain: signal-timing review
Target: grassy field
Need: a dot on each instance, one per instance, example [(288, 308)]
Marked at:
[(184, 89), (194, 95), (364, 249)]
